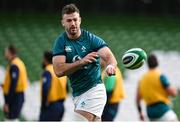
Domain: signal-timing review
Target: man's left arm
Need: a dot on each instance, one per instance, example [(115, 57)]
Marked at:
[(98, 45), (106, 54)]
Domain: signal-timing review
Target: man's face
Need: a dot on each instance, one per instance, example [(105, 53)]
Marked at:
[(7, 54), (71, 23)]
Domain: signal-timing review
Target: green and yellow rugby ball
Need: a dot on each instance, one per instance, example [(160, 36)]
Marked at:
[(134, 58)]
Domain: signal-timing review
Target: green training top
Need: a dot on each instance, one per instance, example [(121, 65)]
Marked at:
[(90, 75)]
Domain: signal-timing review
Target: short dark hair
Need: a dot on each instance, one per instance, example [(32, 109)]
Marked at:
[(152, 61), (48, 56), (69, 9), (12, 49)]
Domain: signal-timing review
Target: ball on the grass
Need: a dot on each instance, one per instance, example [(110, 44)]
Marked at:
[(134, 58)]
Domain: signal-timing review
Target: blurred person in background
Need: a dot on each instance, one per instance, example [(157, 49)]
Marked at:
[(53, 92), (115, 93), (14, 85), (76, 53), (155, 89)]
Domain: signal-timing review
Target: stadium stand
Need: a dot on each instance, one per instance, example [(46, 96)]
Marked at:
[(32, 34)]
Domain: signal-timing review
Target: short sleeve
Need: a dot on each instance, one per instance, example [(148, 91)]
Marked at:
[(59, 47), (164, 81), (96, 42)]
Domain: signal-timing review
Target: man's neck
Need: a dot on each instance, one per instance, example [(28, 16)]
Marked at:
[(76, 36), (153, 68), (47, 63)]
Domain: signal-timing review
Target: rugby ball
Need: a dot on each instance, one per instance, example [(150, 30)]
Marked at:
[(134, 58)]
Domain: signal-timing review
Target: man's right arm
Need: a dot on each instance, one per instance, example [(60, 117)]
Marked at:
[(61, 68)]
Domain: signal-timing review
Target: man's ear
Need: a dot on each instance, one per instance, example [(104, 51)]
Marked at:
[(80, 20), (62, 23)]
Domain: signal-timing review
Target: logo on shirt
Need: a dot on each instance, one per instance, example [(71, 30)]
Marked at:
[(44, 80), (83, 49), (68, 48), (83, 104), (76, 58), (14, 75)]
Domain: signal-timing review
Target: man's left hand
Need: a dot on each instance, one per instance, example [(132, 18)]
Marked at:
[(110, 70)]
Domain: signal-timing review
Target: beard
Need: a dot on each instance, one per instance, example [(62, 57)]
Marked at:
[(72, 31)]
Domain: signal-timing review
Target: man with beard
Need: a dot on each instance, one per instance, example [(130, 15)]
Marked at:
[(77, 54), (53, 91)]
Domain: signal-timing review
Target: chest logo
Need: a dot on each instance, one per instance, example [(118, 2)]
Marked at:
[(76, 58), (83, 49), (68, 48)]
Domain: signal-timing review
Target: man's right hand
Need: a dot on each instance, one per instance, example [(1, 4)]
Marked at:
[(142, 118), (6, 108), (89, 58)]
